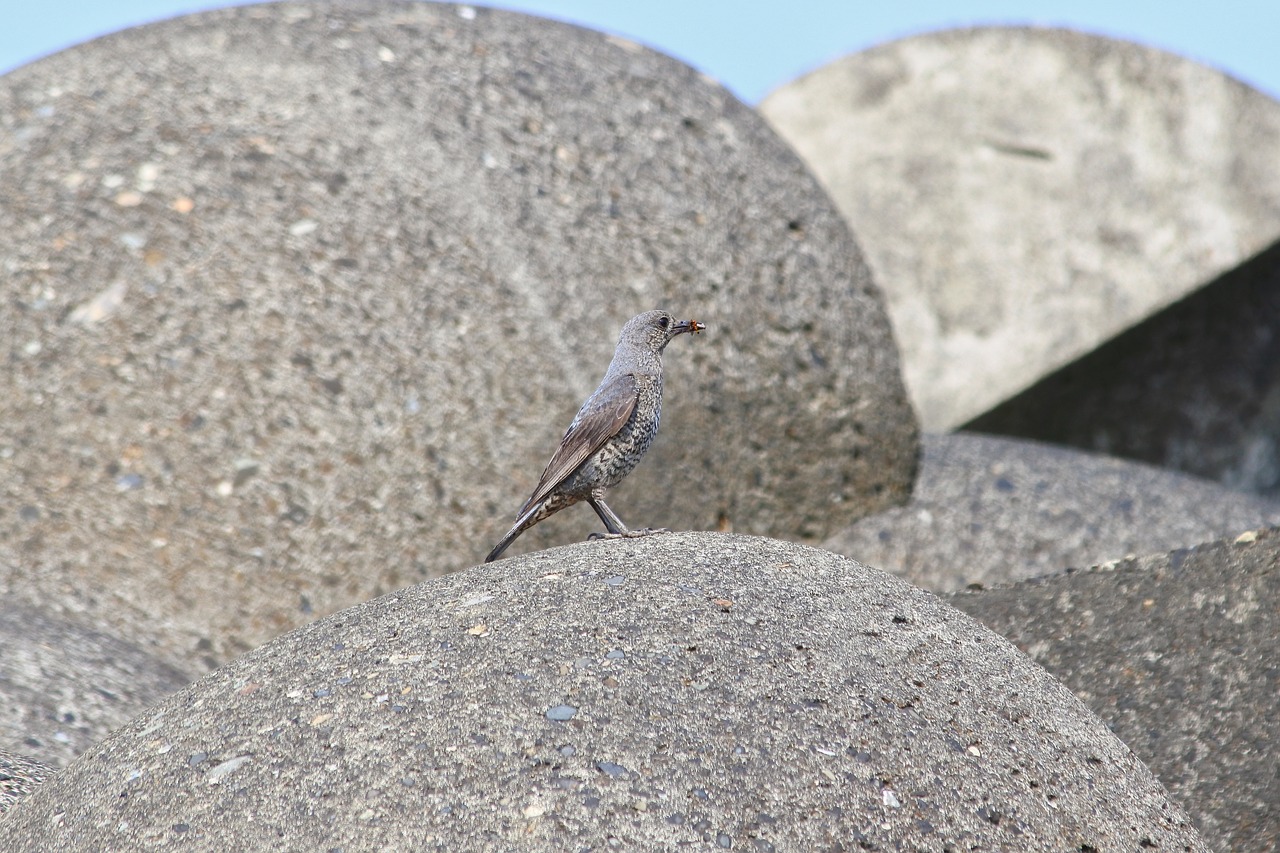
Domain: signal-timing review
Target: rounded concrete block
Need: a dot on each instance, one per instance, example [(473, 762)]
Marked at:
[(990, 511), (299, 298), (1176, 652), (64, 686), (682, 689), (1023, 194)]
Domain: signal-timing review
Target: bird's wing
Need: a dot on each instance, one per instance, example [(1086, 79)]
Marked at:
[(605, 413)]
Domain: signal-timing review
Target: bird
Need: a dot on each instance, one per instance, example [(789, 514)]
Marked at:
[(612, 430)]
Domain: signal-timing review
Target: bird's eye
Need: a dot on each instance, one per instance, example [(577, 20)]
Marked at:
[(664, 321)]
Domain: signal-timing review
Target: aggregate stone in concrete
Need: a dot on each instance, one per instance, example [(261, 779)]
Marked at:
[(1177, 653), (19, 776), (990, 510), (699, 689), (1196, 387), (1025, 194), (299, 298), (64, 686)]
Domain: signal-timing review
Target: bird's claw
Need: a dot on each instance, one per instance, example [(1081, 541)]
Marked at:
[(629, 534)]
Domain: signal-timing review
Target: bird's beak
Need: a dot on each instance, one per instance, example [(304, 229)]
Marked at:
[(691, 326)]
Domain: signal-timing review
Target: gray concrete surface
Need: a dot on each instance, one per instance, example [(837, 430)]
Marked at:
[(1177, 653), (989, 510), (701, 689), (64, 686), (1194, 388), (1024, 195), (299, 298), (19, 776)]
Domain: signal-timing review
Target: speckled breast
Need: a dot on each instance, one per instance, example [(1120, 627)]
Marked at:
[(623, 452)]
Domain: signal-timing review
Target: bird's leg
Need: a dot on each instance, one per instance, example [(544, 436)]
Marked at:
[(613, 524)]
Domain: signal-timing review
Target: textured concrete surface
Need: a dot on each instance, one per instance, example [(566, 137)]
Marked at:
[(1195, 387), (298, 300), (1177, 652), (19, 776), (687, 688), (990, 510), (1023, 195), (63, 686)]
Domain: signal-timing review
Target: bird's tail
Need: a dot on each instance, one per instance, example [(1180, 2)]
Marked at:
[(526, 520)]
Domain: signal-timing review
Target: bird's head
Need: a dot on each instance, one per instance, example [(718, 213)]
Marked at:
[(655, 329)]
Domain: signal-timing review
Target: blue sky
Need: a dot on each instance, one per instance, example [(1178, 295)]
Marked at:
[(753, 46)]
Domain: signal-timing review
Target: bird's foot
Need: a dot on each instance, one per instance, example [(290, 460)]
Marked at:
[(629, 534)]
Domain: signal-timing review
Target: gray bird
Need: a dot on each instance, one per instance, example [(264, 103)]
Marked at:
[(611, 431)]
